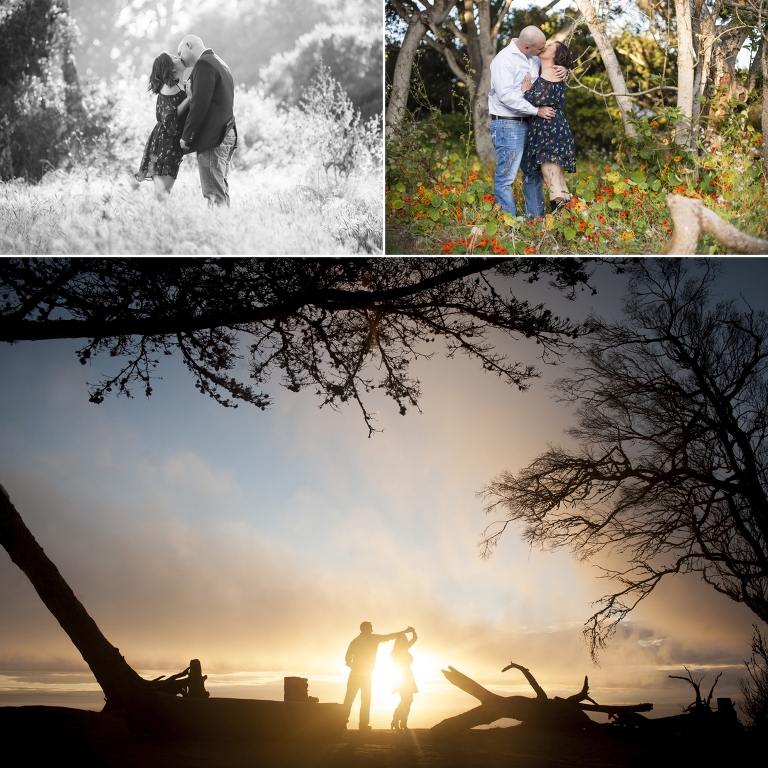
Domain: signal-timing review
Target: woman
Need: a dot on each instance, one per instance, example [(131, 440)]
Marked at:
[(550, 142), (406, 686), (162, 154)]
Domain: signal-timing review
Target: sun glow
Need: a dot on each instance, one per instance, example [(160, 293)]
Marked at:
[(426, 670)]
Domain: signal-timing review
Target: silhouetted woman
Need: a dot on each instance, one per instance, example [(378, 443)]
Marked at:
[(406, 686)]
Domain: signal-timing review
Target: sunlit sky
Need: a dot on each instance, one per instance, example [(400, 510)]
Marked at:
[(258, 541)]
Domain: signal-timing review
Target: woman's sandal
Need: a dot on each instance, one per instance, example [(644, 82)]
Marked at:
[(557, 204)]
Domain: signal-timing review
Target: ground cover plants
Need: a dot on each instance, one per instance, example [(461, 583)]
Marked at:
[(305, 180), (439, 194)]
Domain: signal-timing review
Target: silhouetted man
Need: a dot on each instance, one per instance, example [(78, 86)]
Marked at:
[(210, 126), (361, 659)]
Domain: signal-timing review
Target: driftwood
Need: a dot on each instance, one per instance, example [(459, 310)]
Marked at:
[(190, 682), (692, 217), (542, 711), (698, 718)]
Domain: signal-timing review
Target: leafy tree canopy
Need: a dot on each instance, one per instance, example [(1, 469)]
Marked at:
[(315, 322)]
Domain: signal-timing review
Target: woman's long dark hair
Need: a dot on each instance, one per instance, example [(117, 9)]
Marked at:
[(563, 56), (163, 73)]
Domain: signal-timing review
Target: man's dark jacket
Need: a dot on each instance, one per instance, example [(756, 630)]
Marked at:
[(210, 110)]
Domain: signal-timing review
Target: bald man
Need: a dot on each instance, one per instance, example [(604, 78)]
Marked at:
[(510, 113), (210, 128)]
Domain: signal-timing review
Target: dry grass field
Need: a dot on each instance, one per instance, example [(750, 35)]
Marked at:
[(304, 181), (272, 213)]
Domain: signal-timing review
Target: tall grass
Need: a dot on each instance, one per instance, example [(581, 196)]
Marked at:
[(286, 197)]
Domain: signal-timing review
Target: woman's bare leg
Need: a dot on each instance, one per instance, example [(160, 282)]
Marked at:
[(163, 186), (554, 176)]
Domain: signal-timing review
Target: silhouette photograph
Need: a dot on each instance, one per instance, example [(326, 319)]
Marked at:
[(383, 511)]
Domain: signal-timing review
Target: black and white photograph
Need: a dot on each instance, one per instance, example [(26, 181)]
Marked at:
[(121, 121)]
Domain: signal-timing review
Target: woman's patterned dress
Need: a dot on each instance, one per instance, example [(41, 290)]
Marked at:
[(162, 154), (549, 141)]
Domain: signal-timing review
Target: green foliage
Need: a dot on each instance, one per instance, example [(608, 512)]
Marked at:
[(440, 198), (440, 85)]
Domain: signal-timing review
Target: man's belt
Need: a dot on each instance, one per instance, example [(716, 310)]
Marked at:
[(509, 117)]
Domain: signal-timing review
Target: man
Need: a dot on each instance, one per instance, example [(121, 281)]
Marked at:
[(510, 113), (361, 659), (210, 127)]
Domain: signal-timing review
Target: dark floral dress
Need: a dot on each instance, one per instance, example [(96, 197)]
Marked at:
[(162, 154), (549, 141)]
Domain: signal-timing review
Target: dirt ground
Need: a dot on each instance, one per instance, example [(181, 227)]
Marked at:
[(43, 736)]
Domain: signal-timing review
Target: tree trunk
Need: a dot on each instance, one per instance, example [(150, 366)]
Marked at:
[(685, 71), (764, 112), (68, 66), (726, 49), (705, 41), (401, 80), (611, 63), (487, 51), (755, 67), (122, 686)]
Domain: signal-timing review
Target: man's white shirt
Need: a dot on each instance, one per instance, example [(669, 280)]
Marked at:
[(508, 68)]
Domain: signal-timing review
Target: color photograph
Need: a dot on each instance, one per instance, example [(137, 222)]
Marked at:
[(383, 511), (576, 127)]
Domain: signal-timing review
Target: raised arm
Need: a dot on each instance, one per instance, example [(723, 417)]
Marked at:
[(393, 635), (413, 639)]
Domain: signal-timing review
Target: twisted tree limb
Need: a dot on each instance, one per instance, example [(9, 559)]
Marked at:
[(692, 217), (542, 711)]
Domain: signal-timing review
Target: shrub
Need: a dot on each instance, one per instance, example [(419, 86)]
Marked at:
[(327, 130), (352, 55), (52, 125)]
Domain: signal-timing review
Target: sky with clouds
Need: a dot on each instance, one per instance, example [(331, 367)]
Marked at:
[(258, 541)]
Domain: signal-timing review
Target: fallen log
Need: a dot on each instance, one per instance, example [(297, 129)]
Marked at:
[(236, 719), (692, 217), (541, 712)]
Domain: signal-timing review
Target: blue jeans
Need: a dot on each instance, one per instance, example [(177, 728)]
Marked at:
[(508, 138), (213, 165)]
